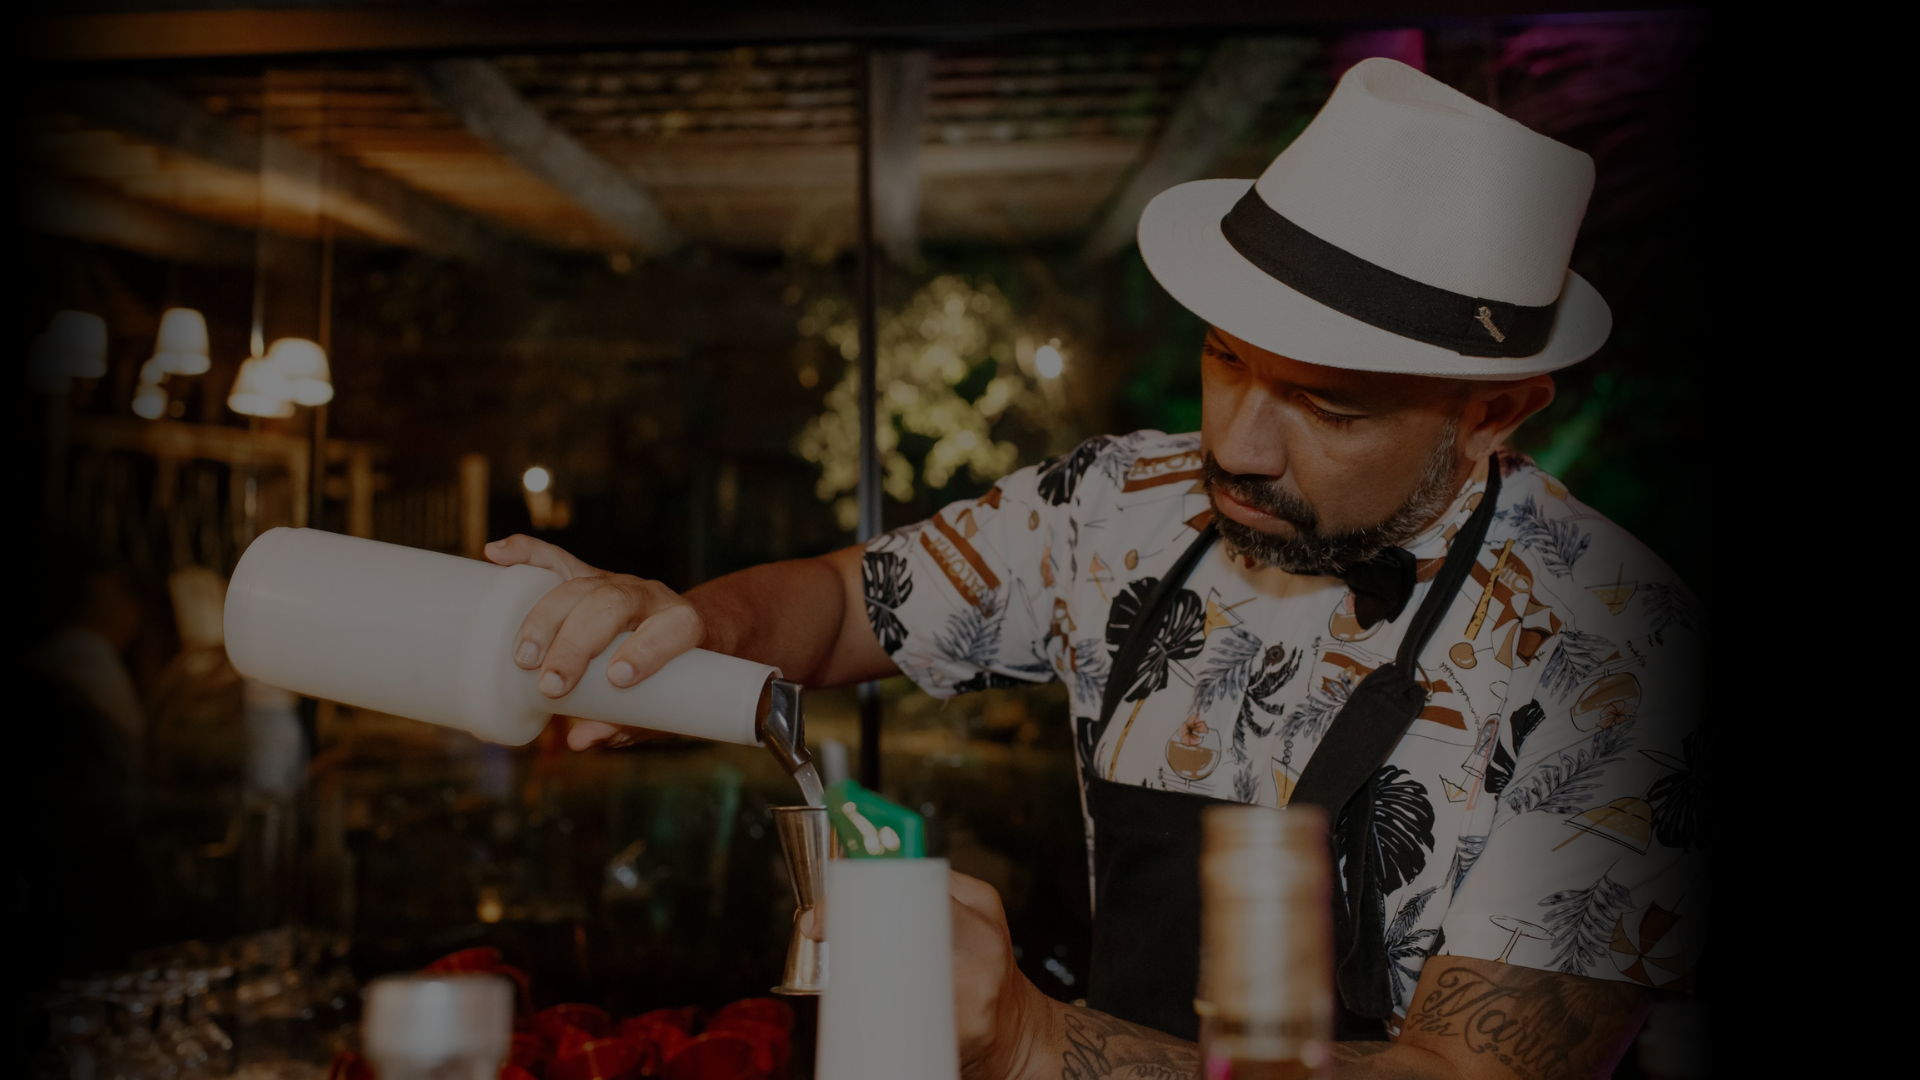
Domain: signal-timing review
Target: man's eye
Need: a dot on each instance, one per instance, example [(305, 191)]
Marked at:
[(1325, 412)]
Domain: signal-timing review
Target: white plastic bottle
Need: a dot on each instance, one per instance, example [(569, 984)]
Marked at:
[(429, 636), (887, 1013)]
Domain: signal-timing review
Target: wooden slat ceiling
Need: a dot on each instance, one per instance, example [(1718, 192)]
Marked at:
[(743, 148)]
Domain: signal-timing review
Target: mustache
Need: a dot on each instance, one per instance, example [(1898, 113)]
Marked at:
[(1261, 493)]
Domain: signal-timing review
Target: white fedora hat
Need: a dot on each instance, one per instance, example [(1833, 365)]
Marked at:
[(1408, 229)]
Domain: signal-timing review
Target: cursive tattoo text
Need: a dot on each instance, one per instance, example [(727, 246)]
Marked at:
[(1101, 1047), (1539, 1024)]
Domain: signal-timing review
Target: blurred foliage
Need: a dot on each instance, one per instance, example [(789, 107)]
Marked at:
[(957, 390)]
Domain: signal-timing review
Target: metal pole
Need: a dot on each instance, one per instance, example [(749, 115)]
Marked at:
[(869, 418), (323, 333), (317, 465)]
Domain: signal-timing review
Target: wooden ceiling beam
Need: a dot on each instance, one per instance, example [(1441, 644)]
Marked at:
[(468, 28), (483, 99), (363, 200), (83, 212), (1239, 80)]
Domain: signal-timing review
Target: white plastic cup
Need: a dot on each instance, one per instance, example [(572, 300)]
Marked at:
[(429, 636), (887, 1013), (445, 1027)]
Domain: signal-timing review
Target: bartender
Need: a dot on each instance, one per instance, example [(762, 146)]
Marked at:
[(1343, 590)]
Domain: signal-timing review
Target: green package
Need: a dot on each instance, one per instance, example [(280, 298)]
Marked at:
[(870, 827)]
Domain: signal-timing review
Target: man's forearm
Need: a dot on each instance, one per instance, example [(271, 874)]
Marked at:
[(1082, 1044), (787, 614)]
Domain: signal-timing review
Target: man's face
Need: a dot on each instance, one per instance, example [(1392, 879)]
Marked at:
[(1315, 468)]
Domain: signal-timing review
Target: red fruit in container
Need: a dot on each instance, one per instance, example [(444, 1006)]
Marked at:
[(569, 1040), (480, 959), (771, 1046), (664, 1037), (687, 1020), (765, 1010), (487, 960), (529, 1052), (588, 1018), (601, 1059), (348, 1065), (717, 1056)]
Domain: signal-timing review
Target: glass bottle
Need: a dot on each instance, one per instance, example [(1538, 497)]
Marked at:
[(1266, 945)]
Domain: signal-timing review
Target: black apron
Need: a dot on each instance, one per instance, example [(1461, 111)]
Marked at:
[(1145, 965)]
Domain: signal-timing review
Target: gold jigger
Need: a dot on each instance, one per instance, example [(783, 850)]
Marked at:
[(807, 839)]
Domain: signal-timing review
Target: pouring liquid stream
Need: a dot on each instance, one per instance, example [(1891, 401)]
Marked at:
[(811, 789)]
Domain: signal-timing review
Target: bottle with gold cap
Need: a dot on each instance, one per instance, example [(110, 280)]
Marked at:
[(1266, 945)]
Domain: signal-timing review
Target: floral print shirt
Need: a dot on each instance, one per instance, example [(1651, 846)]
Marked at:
[(1546, 808)]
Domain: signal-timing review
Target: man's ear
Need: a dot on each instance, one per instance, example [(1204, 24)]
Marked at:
[(1494, 411)]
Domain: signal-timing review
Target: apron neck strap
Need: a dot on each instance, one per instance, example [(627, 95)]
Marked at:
[(1461, 555)]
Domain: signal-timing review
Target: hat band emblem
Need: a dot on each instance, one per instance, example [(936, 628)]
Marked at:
[(1377, 296), (1485, 315)]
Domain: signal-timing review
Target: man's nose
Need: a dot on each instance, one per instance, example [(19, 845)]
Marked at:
[(1252, 441)]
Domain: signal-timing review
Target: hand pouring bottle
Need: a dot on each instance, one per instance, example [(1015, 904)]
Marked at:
[(430, 636)]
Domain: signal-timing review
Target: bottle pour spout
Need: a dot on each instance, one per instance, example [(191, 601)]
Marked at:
[(783, 726)]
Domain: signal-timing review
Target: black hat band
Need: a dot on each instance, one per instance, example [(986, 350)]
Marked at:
[(1375, 295)]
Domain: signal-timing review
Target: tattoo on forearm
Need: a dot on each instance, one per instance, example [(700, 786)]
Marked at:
[(1101, 1047), (1539, 1024)]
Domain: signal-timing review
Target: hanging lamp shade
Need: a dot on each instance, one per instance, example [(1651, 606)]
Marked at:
[(73, 347), (181, 347), (304, 365), (151, 401), (261, 390)]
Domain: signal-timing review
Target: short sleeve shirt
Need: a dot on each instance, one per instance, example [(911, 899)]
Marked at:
[(1546, 807)]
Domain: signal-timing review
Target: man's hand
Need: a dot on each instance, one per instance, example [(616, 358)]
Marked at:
[(583, 614), (995, 1006), (806, 617)]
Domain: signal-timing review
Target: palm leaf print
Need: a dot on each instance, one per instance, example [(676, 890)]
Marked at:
[(1058, 477), (973, 634), (1565, 785), (1246, 784), (1126, 608), (887, 581), (1225, 674), (1180, 634), (1580, 923), (1314, 714), (1407, 948), (1560, 543), (1579, 655), (1089, 669), (1680, 799), (1525, 719), (1466, 851), (1402, 826), (1499, 770), (1667, 605), (989, 680), (1269, 682)]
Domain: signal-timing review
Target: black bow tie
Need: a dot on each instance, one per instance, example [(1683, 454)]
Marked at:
[(1381, 586)]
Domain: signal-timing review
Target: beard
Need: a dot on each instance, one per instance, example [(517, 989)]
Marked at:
[(1310, 550)]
